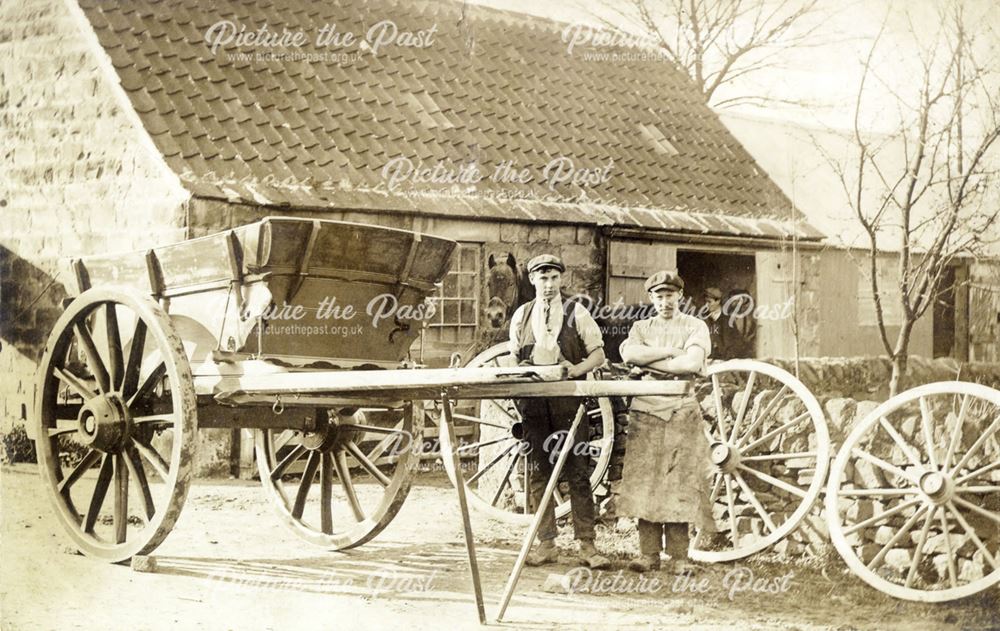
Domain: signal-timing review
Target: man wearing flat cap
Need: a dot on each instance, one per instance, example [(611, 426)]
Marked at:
[(665, 479), (548, 331), (713, 304)]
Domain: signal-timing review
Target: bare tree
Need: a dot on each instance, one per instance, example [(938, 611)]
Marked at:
[(919, 190), (719, 41)]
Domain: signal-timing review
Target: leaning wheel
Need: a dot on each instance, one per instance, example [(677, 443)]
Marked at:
[(498, 473), (770, 452), (913, 502), (116, 412), (365, 460)]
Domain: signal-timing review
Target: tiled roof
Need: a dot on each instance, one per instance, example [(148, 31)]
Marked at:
[(317, 129)]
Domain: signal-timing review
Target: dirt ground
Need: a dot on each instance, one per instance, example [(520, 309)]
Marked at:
[(229, 564)]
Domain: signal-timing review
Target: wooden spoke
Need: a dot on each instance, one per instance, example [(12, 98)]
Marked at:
[(882, 464), (375, 429), (876, 492), (719, 411), (926, 422), (978, 489), (340, 461), (88, 461), (94, 361), (918, 553), (904, 446), (506, 411), (956, 432), (116, 360), (774, 432), (972, 533), (781, 484), (763, 414), (121, 498), (159, 464), (528, 508), (976, 509), (478, 421), (902, 532), (978, 472), (133, 364), (490, 464), (558, 496), (752, 498), (716, 487), (149, 384), (732, 511), (882, 516), (75, 383), (485, 443), (780, 456), (326, 493), (949, 553), (368, 465), (744, 402), (505, 482), (100, 491), (305, 484), (137, 473), (283, 439), (979, 443), (156, 418), (62, 431), (290, 457)]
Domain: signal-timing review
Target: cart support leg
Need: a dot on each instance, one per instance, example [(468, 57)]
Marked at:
[(470, 544), (508, 590)]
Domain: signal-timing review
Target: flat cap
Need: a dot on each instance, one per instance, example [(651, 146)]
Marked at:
[(713, 292), (545, 260), (666, 278)]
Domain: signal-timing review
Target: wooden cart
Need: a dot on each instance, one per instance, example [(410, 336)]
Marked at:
[(253, 328)]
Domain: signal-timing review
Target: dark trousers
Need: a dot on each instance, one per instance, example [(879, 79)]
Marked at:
[(546, 423), (652, 535)]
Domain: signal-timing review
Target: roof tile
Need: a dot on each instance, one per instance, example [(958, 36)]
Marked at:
[(336, 124)]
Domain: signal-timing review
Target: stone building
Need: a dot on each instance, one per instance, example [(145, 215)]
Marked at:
[(128, 125)]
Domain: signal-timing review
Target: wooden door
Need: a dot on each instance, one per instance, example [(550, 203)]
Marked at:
[(630, 263)]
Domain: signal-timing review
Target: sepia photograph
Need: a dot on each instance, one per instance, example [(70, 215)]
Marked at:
[(509, 314)]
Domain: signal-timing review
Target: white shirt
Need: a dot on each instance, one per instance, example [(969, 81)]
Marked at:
[(546, 350)]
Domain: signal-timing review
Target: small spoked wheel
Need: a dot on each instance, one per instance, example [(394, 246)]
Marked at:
[(913, 502), (770, 451), (496, 465), (364, 459), (115, 423)]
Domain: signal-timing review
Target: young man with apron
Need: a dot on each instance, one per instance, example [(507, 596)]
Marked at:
[(665, 480)]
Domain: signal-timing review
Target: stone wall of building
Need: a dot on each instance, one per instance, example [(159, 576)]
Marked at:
[(80, 177)]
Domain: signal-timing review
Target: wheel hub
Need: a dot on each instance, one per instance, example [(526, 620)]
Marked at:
[(104, 423), (517, 431), (329, 433), (937, 486), (724, 456)]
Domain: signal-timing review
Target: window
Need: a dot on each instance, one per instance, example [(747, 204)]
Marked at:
[(457, 303)]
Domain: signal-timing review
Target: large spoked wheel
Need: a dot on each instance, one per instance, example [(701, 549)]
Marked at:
[(770, 451), (115, 423), (495, 466), (365, 460), (913, 502)]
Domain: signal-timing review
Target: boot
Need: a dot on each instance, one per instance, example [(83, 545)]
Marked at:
[(591, 557), (645, 563), (544, 553)]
